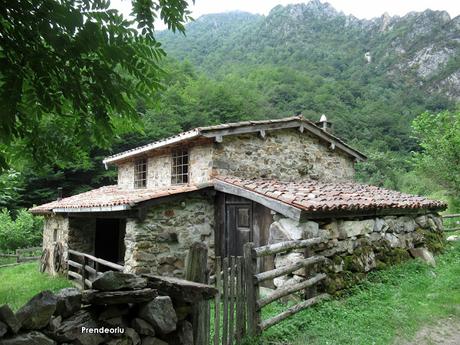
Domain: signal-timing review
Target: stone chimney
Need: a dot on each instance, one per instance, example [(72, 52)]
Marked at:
[(59, 193), (324, 124)]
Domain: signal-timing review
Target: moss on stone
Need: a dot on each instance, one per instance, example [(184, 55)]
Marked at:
[(435, 241)]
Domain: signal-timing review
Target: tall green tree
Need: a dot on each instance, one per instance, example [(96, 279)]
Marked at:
[(439, 138), (71, 72)]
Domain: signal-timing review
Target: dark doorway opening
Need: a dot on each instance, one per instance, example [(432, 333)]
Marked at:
[(110, 240)]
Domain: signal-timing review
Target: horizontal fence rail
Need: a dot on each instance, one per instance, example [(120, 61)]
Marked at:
[(86, 267), (253, 279), (450, 224), (22, 255)]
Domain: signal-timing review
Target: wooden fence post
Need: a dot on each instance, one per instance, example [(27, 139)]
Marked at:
[(84, 272), (196, 271), (252, 289)]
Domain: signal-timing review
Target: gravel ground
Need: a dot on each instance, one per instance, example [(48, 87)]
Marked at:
[(443, 332)]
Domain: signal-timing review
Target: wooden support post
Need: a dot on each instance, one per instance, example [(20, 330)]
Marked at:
[(252, 288), (232, 300), (239, 300), (225, 298), (18, 260), (84, 272), (196, 271), (217, 302)]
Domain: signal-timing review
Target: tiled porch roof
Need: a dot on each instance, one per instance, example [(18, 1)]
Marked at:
[(110, 198), (301, 196), (315, 196)]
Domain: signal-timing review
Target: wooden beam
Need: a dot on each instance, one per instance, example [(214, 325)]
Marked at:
[(281, 271), (310, 215), (284, 291), (292, 310), (262, 133), (276, 248), (278, 206)]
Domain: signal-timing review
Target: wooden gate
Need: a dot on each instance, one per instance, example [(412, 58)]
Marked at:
[(253, 278), (229, 317)]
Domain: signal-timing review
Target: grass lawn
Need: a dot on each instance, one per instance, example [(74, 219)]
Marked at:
[(19, 283), (392, 304)]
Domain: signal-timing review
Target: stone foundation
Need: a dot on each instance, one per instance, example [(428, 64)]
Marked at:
[(159, 243), (356, 246)]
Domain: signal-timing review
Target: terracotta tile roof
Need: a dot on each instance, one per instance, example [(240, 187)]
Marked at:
[(317, 196), (111, 197), (208, 130)]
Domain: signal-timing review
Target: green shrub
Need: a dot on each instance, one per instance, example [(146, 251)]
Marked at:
[(22, 232)]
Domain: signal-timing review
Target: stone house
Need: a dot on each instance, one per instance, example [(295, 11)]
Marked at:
[(260, 181)]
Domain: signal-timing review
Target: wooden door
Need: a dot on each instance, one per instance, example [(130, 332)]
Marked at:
[(238, 225)]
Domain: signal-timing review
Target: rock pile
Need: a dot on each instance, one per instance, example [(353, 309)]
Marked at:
[(120, 310)]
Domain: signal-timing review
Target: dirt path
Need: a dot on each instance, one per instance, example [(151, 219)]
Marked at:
[(443, 332)]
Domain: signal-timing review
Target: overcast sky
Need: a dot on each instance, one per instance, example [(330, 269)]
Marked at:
[(359, 8)]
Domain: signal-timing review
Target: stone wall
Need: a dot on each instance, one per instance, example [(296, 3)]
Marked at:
[(159, 242), (55, 230), (121, 309), (284, 154), (75, 233), (354, 247), (159, 168)]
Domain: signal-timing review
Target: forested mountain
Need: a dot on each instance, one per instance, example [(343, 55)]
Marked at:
[(370, 77)]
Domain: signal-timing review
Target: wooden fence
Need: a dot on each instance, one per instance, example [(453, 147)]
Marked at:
[(229, 317), (450, 222), (85, 268), (21, 256), (253, 278)]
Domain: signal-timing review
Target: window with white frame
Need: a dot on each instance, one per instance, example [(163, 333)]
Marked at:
[(179, 166), (140, 173)]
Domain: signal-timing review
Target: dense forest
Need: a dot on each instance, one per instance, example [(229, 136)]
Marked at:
[(372, 78)]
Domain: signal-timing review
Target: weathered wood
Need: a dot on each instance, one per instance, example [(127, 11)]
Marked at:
[(281, 271), (217, 302), (451, 229), (179, 289), (291, 311), (284, 291), (118, 297), (252, 289), (74, 275), (106, 263), (278, 206), (28, 258), (10, 265), (8, 255), (84, 273), (276, 248), (26, 250), (225, 300), (232, 300), (196, 271), (456, 215), (239, 300)]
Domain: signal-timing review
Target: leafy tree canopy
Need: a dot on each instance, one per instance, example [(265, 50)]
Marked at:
[(71, 72)]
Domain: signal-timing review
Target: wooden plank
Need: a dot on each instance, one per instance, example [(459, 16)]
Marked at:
[(8, 255), (225, 300), (74, 275), (196, 271), (74, 264), (456, 215), (239, 300), (284, 291), (281, 271), (232, 300), (252, 289), (84, 273), (26, 250), (28, 258), (217, 302), (292, 310), (278, 206), (272, 249), (10, 265), (95, 259), (451, 229)]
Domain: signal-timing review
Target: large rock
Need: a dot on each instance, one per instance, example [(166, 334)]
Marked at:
[(71, 329), (160, 313), (68, 302), (3, 329), (133, 336), (118, 297), (423, 254), (380, 225), (8, 318), (112, 311), (393, 240), (354, 228), (453, 238), (142, 327), (183, 334), (112, 281), (400, 224), (422, 221), (37, 313), (31, 338)]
